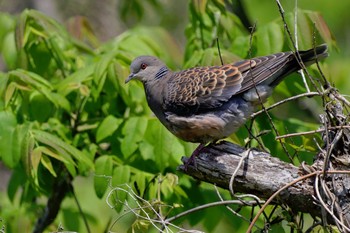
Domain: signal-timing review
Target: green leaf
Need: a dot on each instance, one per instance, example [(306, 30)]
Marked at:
[(116, 75), (307, 144), (60, 101), (26, 153), (121, 175), (71, 218), (322, 27), (30, 78), (107, 127), (140, 179), (8, 125), (54, 155), (167, 148), (103, 174), (20, 138), (18, 178), (133, 131), (10, 90), (71, 169), (169, 182), (46, 162), (200, 6), (277, 228), (147, 151), (40, 108), (9, 52), (101, 68), (305, 28), (270, 39), (35, 159), (63, 148), (195, 59), (75, 80), (241, 45), (7, 24)]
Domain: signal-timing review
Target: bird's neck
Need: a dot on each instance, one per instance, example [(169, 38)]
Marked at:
[(161, 73), (155, 90)]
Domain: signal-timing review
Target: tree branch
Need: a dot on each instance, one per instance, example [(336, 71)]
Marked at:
[(60, 190), (260, 174)]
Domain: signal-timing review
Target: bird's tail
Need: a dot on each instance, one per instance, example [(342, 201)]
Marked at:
[(308, 57), (315, 54)]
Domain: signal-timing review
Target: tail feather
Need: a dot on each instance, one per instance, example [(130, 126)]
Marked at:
[(315, 54), (272, 69), (308, 58)]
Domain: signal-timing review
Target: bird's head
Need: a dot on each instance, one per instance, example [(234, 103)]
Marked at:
[(146, 68)]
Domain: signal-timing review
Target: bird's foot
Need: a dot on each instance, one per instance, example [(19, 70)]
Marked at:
[(192, 159)]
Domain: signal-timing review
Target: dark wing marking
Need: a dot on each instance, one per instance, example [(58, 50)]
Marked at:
[(272, 68), (201, 88)]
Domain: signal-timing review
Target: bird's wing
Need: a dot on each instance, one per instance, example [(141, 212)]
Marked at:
[(204, 88), (201, 88), (272, 68)]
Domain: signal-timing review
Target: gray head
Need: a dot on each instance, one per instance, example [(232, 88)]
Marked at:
[(146, 68)]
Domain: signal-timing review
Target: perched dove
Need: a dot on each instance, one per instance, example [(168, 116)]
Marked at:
[(205, 104)]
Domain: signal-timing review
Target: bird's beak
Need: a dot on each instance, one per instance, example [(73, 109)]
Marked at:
[(131, 76)]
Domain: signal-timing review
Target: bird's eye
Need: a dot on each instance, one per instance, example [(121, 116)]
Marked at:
[(143, 66)]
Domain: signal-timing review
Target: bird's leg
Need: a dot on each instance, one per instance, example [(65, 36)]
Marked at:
[(199, 149), (195, 153)]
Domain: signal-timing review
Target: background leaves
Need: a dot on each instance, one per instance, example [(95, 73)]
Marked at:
[(65, 111)]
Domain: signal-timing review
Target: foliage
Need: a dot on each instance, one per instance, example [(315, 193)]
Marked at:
[(65, 111)]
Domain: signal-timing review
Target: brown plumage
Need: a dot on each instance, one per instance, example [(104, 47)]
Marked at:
[(205, 104)]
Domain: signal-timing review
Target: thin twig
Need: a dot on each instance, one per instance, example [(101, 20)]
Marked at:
[(301, 72), (324, 205), (80, 209), (219, 50), (235, 212), (245, 155), (287, 186), (297, 54), (327, 85), (311, 132), (342, 99), (252, 136), (260, 100), (330, 150), (218, 203), (309, 94), (145, 209), (252, 78), (296, 24), (311, 228), (229, 208)]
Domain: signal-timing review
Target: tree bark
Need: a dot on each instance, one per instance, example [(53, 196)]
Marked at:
[(260, 174)]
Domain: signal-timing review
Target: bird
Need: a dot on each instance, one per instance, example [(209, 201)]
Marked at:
[(206, 104)]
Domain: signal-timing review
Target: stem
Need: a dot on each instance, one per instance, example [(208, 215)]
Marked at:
[(60, 189)]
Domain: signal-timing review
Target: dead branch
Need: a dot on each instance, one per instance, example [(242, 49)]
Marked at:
[(260, 174)]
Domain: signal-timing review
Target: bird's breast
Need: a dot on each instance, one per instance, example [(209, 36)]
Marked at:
[(197, 128), (155, 102), (212, 125)]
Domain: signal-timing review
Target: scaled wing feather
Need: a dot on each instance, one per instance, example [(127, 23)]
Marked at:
[(200, 89)]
